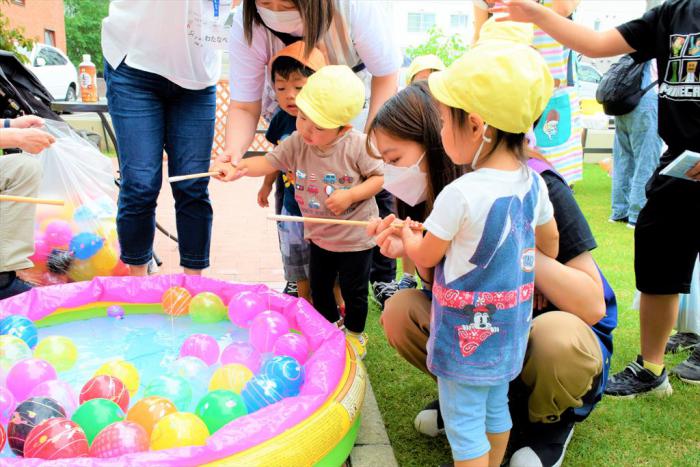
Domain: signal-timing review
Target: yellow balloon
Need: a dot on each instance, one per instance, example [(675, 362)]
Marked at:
[(231, 377), (81, 270), (59, 351), (178, 430), (104, 261), (12, 350), (123, 371)]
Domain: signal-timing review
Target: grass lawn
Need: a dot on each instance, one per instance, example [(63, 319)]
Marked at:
[(646, 431)]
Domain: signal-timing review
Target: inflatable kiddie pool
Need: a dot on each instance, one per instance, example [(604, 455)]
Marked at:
[(316, 427)]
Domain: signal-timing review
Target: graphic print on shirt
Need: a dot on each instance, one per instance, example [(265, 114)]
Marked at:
[(682, 79)]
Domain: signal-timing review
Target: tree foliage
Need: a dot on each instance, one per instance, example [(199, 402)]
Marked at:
[(448, 48), (12, 38), (84, 29)]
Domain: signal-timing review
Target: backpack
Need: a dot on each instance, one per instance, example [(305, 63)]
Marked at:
[(620, 90)]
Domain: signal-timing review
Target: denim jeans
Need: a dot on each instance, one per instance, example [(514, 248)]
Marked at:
[(636, 154), (150, 114)]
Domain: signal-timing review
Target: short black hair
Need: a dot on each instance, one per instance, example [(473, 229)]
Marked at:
[(285, 66)]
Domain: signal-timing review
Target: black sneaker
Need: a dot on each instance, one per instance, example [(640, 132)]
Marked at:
[(688, 371), (291, 289), (407, 282), (622, 220), (383, 291), (636, 380), (11, 285), (681, 341), (544, 444), (429, 420)]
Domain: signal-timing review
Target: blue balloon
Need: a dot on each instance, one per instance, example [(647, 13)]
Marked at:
[(19, 326), (174, 388), (286, 370), (85, 245), (260, 392)]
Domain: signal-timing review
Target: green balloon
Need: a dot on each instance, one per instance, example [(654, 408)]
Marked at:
[(219, 407), (207, 307), (95, 414)]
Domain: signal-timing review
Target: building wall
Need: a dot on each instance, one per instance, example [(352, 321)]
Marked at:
[(35, 16)]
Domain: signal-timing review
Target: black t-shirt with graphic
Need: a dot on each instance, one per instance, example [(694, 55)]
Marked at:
[(670, 33)]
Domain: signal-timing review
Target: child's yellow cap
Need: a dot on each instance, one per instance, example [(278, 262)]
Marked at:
[(502, 78), (332, 96), (423, 62)]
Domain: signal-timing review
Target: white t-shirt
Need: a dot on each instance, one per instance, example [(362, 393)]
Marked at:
[(460, 211), (164, 37), (371, 36)]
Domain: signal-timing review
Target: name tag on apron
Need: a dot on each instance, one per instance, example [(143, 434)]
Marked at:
[(209, 23)]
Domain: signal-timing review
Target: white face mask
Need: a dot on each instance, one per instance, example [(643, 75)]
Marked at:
[(288, 22), (484, 139), (409, 184)]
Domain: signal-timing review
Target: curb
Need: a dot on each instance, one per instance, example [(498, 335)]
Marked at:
[(372, 446)]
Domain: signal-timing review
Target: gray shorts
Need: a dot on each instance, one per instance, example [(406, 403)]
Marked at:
[(294, 249)]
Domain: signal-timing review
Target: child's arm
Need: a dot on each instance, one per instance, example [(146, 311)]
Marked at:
[(580, 38), (340, 200), (426, 251), (265, 189), (547, 238), (251, 167)]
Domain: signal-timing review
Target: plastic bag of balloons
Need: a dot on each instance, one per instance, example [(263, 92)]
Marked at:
[(77, 241)]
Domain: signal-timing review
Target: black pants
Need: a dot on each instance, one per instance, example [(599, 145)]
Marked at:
[(383, 268), (352, 270)]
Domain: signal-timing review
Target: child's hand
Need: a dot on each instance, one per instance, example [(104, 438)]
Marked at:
[(227, 172), (694, 172), (339, 201), (524, 11), (263, 194), (387, 236), (411, 233)]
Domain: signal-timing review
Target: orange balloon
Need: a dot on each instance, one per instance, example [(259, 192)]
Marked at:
[(149, 410), (120, 269), (176, 301)]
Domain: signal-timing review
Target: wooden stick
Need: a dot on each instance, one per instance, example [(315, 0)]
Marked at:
[(323, 220), (26, 199), (179, 178)]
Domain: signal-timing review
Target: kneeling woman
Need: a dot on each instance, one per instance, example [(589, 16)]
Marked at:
[(570, 342)]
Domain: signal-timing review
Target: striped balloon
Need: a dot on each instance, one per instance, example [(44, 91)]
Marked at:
[(56, 438), (176, 301), (106, 387), (28, 415)]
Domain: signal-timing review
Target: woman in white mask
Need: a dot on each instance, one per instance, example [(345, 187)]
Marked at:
[(405, 133), (349, 32)]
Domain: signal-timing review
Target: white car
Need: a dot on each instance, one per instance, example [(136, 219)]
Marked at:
[(588, 79), (54, 70)]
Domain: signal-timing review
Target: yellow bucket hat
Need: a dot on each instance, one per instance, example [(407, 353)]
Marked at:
[(502, 78), (332, 96), (423, 62)]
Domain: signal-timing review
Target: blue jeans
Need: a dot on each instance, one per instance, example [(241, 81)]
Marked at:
[(636, 154), (149, 114)]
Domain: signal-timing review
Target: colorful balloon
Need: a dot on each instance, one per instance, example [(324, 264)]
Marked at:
[(266, 328), (118, 439), (56, 438), (243, 353), (149, 410), (26, 416), (27, 374), (60, 391), (95, 414), (124, 372), (42, 248), (115, 311), (176, 301), (292, 345), (244, 306), (105, 260), (179, 430), (190, 368), (59, 261), (260, 392), (202, 346), (19, 326), (286, 370), (106, 387), (85, 245), (231, 377), (220, 407), (120, 269), (58, 233), (7, 405), (3, 437), (12, 350), (207, 307), (174, 388), (81, 271), (59, 351)]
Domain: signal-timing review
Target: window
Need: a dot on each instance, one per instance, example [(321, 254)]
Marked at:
[(49, 37), (588, 74), (51, 57), (420, 22), (459, 21)]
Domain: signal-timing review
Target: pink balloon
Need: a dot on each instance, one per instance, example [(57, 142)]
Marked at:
[(266, 328), (25, 375), (201, 346), (292, 345), (60, 391), (7, 405), (244, 307), (42, 249), (243, 353), (58, 233), (120, 438)]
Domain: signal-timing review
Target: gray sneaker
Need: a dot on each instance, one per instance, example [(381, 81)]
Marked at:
[(688, 371), (682, 341)]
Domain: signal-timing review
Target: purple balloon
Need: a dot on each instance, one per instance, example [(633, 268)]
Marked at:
[(292, 345), (243, 353), (244, 307), (115, 311), (60, 391), (7, 405), (266, 328), (27, 374), (201, 346)]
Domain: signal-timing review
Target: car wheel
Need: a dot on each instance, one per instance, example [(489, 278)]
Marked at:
[(70, 94)]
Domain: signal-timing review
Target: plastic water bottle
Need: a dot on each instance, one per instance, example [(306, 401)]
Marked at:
[(87, 76)]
